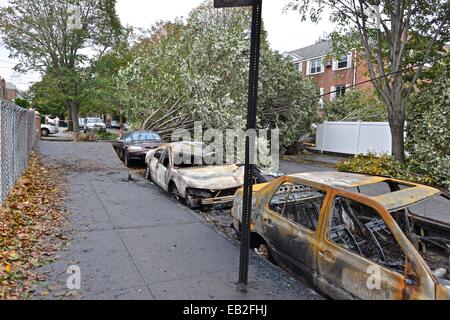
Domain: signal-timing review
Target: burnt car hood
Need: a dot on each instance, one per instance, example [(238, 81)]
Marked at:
[(213, 177)]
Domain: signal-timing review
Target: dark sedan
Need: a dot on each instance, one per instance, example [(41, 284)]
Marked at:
[(135, 145)]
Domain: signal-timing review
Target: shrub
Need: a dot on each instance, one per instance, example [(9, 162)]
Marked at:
[(104, 134), (386, 166)]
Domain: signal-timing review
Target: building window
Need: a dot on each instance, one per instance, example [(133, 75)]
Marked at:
[(340, 91), (298, 66), (343, 63), (316, 66)]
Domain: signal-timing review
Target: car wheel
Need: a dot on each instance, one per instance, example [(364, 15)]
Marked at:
[(174, 192), (192, 202), (264, 251), (127, 161), (45, 132)]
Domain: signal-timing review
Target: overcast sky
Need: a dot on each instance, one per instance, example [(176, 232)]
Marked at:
[(285, 30)]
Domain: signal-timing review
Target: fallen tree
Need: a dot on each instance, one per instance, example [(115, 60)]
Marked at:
[(197, 70)]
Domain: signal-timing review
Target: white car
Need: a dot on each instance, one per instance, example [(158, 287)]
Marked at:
[(48, 129), (197, 184), (95, 123)]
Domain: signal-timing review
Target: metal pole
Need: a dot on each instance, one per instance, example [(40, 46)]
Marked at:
[(250, 144)]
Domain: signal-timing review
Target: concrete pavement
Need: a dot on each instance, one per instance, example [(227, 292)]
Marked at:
[(131, 241)]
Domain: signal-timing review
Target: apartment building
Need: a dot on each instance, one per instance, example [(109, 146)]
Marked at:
[(332, 74)]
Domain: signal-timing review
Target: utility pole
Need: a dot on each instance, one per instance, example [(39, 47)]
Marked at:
[(250, 143)]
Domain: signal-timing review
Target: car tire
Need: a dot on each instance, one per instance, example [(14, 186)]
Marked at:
[(173, 190), (192, 202), (45, 132), (263, 251), (127, 161)]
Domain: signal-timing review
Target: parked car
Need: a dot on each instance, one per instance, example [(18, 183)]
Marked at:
[(48, 129), (114, 124), (134, 146), (95, 123), (354, 236), (193, 180)]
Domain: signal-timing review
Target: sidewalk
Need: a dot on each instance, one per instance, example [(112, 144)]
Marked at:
[(132, 241)]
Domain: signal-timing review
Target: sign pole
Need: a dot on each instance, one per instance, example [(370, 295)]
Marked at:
[(250, 142)]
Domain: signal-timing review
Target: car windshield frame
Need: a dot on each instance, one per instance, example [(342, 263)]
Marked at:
[(140, 137)]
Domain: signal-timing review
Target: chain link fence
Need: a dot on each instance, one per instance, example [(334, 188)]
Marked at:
[(17, 138)]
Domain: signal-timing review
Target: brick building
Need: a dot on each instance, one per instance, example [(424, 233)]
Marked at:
[(331, 74), (8, 91)]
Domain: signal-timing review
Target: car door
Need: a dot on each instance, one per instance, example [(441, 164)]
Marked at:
[(154, 163), (291, 224), (358, 255), (163, 170)]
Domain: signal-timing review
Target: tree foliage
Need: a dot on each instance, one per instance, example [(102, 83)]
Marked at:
[(198, 70), (428, 130), (38, 33), (356, 105)]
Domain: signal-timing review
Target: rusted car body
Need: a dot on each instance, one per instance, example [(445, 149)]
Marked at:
[(197, 184), (354, 236)]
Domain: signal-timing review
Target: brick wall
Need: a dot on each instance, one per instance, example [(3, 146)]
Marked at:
[(330, 79)]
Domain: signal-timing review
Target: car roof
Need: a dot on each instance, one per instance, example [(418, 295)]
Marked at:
[(391, 201)]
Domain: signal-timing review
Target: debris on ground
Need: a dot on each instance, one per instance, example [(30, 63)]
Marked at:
[(32, 229)]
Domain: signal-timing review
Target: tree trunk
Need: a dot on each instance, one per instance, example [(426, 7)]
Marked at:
[(73, 111), (70, 122), (398, 140), (397, 118)]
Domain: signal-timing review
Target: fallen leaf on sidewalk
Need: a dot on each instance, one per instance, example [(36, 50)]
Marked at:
[(32, 228)]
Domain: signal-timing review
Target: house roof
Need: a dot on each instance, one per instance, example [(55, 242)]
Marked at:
[(321, 48), (10, 86)]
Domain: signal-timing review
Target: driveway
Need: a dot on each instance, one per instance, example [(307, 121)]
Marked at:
[(131, 241)]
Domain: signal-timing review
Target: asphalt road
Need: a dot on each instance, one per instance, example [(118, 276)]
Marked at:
[(131, 241)]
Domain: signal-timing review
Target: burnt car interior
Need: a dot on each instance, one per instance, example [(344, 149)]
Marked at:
[(298, 203), (360, 229), (431, 238)]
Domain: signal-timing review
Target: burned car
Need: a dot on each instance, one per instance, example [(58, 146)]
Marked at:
[(135, 145), (192, 179), (354, 236)]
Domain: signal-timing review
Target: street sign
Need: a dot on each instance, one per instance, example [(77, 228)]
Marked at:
[(233, 3)]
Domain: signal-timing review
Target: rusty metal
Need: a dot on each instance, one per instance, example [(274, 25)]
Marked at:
[(338, 272)]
